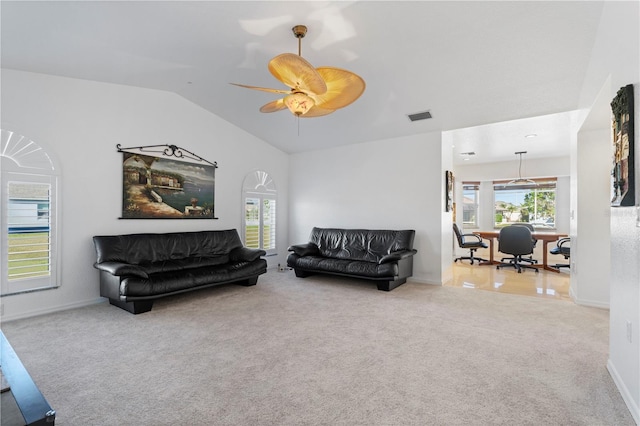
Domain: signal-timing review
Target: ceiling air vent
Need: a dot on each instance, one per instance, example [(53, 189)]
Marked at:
[(419, 116)]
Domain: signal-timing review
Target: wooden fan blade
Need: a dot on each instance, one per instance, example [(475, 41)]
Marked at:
[(264, 89), (273, 106), (297, 73), (343, 88), (317, 112)]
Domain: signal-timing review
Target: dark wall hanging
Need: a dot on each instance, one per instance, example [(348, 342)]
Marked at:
[(448, 190), (623, 172), (166, 182)]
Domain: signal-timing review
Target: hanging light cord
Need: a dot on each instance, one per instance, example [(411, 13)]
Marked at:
[(520, 166)]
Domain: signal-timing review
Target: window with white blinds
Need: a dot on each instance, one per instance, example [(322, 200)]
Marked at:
[(259, 226), (28, 201), (260, 223)]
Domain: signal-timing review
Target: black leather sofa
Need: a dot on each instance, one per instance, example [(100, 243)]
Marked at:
[(135, 269), (385, 256)]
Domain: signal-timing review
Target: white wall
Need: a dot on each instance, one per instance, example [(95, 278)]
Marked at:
[(388, 184), (446, 219), (624, 334), (590, 262), (80, 122), (615, 63)]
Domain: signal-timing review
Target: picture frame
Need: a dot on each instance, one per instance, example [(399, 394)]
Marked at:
[(166, 182), (623, 169), (448, 190)]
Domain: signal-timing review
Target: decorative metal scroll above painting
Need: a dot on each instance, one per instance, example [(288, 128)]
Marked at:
[(166, 182), (623, 173)]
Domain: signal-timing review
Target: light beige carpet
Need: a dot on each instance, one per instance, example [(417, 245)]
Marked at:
[(325, 351)]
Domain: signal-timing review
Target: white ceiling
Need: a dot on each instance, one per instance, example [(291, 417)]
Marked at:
[(470, 64)]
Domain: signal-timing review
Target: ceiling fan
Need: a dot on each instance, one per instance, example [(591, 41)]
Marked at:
[(314, 91)]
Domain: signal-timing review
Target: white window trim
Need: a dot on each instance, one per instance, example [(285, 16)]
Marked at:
[(259, 185), (23, 160)]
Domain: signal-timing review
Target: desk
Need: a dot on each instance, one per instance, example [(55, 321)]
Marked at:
[(545, 237)]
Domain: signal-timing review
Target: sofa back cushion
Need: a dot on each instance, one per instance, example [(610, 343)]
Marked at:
[(148, 248), (360, 244)]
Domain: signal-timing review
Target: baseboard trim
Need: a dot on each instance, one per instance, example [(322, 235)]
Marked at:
[(591, 303), (423, 281), (59, 308), (624, 391)]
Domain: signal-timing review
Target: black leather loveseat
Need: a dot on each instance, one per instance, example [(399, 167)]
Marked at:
[(385, 256), (135, 269)]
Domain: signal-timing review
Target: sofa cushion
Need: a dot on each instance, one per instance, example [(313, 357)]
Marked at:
[(146, 249), (181, 264), (360, 244), (167, 282), (346, 266)]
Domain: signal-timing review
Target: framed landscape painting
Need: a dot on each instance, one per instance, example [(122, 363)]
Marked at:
[(161, 187)]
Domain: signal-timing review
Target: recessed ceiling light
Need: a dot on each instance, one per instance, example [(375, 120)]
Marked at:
[(530, 135)]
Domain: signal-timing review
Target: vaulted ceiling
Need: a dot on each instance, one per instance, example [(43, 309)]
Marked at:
[(470, 64)]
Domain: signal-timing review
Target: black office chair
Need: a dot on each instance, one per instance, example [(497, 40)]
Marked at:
[(563, 247), (516, 241), (529, 259), (469, 241)]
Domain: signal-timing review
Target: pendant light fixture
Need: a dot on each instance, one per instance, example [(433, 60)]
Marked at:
[(521, 180)]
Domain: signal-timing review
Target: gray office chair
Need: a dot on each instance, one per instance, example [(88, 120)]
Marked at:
[(563, 247), (469, 241), (529, 259), (518, 242)]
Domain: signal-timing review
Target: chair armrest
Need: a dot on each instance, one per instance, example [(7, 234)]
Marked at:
[(464, 236), (307, 249), (562, 241), (245, 254), (396, 255), (121, 269)]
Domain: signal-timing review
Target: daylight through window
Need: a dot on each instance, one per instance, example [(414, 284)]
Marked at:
[(533, 203), (259, 194), (29, 205), (470, 191)]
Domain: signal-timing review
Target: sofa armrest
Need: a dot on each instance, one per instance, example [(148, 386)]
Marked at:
[(121, 269), (397, 255), (306, 249), (246, 254)]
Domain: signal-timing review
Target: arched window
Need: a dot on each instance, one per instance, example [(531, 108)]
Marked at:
[(259, 207), (29, 205)]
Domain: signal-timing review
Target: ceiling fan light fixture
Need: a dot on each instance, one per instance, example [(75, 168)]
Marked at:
[(315, 92), (298, 103)]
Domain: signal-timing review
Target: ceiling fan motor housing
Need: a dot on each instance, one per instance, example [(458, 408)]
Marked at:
[(299, 31)]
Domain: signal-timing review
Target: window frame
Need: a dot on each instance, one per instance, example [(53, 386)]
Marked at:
[(25, 162), (475, 187), (258, 186)]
